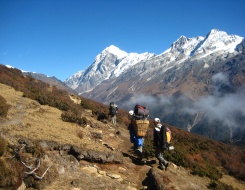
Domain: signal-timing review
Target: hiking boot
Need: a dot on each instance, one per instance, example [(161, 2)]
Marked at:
[(166, 166), (161, 167), (139, 153)]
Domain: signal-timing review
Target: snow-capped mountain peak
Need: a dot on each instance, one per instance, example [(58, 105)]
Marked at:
[(115, 51), (218, 40), (131, 60), (215, 31), (113, 62), (122, 60), (185, 45), (214, 41)]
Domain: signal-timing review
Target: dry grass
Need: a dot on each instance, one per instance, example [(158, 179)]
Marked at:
[(226, 179), (29, 119)]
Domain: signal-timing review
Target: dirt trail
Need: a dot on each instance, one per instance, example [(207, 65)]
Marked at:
[(17, 114)]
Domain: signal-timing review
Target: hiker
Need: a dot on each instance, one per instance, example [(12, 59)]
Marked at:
[(113, 112), (160, 143), (138, 128), (137, 141)]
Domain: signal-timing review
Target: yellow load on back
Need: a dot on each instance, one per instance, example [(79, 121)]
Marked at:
[(168, 135)]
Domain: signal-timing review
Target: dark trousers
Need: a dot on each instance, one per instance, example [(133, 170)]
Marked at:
[(160, 157)]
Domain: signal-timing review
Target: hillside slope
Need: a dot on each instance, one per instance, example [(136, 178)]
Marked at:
[(108, 162)]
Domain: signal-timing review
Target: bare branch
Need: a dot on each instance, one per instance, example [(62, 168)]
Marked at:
[(10, 157), (32, 172), (37, 177), (30, 167), (23, 146)]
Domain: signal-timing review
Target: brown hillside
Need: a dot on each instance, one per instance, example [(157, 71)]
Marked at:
[(32, 123), (36, 143)]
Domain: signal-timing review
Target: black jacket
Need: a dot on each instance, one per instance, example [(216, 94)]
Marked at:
[(160, 139), (113, 110)]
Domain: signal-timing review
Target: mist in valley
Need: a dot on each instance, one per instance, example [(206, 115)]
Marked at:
[(220, 115)]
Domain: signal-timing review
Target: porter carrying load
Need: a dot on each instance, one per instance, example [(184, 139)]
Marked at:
[(140, 120)]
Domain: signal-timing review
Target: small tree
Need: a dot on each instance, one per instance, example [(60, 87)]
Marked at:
[(4, 107)]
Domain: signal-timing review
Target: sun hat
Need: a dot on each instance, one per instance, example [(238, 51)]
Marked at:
[(131, 112), (157, 120)]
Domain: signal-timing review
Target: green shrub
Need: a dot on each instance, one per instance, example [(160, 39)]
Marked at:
[(206, 170), (148, 148), (196, 170), (216, 185), (69, 116), (82, 121), (176, 157), (102, 116), (212, 172), (85, 104)]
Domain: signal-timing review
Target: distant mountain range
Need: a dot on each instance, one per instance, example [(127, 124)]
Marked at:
[(51, 80), (197, 84), (194, 85), (113, 64)]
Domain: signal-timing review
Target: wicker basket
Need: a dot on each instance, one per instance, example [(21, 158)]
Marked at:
[(140, 127)]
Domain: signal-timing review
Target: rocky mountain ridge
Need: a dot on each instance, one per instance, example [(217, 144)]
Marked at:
[(113, 62), (50, 80), (109, 64), (174, 84)]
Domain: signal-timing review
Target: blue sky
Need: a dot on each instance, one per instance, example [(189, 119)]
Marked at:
[(60, 37)]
